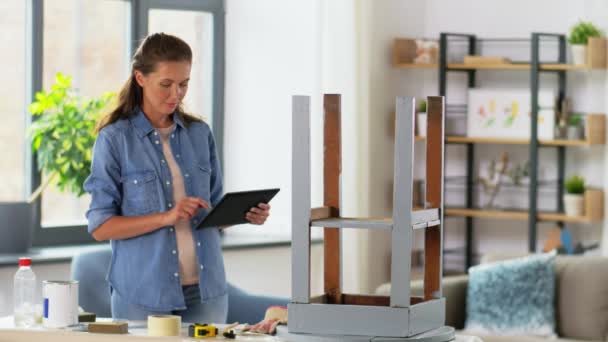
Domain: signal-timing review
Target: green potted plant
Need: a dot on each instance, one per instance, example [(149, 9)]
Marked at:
[(574, 200), (62, 136), (575, 126), (578, 38), (421, 118)]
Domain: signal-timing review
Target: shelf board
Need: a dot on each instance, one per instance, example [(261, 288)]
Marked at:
[(516, 215), (559, 142), (416, 66), (500, 66), (488, 66)]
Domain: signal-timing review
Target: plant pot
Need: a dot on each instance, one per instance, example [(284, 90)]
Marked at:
[(561, 132), (575, 133), (579, 54), (421, 124), (16, 221), (574, 205)]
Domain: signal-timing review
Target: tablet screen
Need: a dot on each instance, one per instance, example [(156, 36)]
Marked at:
[(233, 207)]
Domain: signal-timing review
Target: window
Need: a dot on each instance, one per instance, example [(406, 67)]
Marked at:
[(92, 41), (88, 40), (12, 101)]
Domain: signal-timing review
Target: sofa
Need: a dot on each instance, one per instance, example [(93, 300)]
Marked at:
[(581, 301), (90, 270)]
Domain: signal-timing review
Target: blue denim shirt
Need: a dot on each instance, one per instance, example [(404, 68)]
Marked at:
[(128, 178)]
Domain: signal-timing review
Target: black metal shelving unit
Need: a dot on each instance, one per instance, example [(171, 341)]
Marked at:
[(535, 71)]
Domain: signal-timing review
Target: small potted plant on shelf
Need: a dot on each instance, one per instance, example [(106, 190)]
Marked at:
[(62, 136), (578, 38), (575, 126), (574, 199), (421, 118)]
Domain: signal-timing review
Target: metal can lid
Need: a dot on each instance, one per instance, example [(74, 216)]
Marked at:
[(25, 262), (60, 282)]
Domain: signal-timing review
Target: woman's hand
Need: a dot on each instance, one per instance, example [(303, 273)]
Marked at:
[(184, 209), (259, 214)]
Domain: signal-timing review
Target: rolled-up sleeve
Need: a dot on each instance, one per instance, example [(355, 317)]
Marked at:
[(216, 186), (103, 183)]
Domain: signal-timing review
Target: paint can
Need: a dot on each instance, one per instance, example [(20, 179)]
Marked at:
[(60, 303)]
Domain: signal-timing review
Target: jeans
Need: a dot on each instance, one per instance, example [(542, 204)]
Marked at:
[(213, 311)]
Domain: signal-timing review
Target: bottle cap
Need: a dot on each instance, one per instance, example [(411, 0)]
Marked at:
[(25, 261)]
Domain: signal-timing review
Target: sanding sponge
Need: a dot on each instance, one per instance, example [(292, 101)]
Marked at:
[(86, 317), (109, 328)]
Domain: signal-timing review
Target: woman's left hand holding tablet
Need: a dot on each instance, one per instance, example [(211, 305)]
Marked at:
[(258, 215)]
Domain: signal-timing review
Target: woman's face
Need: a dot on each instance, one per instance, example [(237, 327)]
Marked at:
[(164, 88)]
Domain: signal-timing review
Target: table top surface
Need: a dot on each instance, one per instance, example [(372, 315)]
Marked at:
[(137, 332)]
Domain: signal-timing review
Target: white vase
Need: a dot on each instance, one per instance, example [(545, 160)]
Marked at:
[(574, 205), (421, 124), (579, 54)]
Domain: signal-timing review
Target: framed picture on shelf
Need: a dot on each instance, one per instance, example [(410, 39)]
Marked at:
[(505, 113)]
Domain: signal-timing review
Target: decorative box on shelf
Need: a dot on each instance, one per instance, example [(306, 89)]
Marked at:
[(596, 53), (415, 51), (505, 113), (595, 129), (594, 204)]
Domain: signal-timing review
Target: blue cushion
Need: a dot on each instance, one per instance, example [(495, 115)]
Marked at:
[(513, 297)]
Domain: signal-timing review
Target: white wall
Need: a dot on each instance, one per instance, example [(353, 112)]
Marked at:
[(276, 49), (273, 51)]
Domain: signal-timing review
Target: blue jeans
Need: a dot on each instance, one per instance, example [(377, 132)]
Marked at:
[(212, 311)]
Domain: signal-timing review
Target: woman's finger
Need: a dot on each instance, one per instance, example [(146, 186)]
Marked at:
[(262, 215), (260, 211), (256, 220), (253, 220), (190, 210), (191, 205), (197, 202), (183, 215), (202, 203)]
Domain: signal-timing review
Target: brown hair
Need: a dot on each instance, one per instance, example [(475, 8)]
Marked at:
[(155, 48)]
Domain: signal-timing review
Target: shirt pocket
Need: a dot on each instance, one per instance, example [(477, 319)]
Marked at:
[(202, 182), (140, 195)]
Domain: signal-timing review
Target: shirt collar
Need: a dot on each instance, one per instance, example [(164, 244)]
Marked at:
[(144, 127)]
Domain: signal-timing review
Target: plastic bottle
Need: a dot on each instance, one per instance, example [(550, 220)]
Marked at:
[(24, 294)]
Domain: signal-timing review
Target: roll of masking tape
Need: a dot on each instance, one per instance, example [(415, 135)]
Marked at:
[(164, 325)]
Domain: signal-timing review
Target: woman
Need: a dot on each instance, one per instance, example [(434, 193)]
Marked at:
[(154, 174)]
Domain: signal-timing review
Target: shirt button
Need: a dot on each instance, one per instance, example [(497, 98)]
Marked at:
[(170, 205), (187, 175), (135, 181), (173, 251), (202, 267), (155, 133), (162, 161), (172, 135), (177, 156), (198, 244), (175, 274), (168, 183), (170, 229), (157, 142)]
